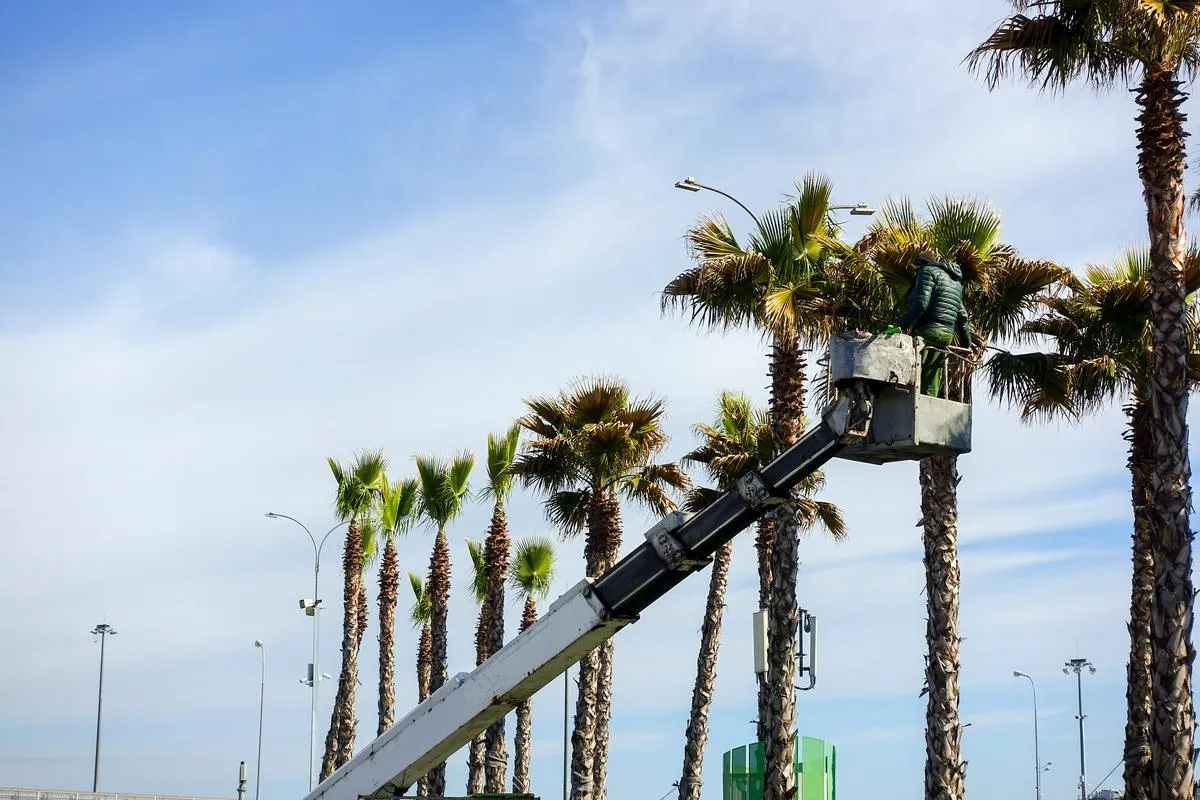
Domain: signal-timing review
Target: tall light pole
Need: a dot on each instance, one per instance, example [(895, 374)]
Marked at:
[(1077, 665), (262, 687), (311, 607), (690, 184), (103, 631), (1037, 756)]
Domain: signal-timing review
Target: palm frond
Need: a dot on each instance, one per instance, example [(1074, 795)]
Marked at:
[(501, 451), (567, 511), (419, 613), (533, 566), (444, 486), (478, 570)]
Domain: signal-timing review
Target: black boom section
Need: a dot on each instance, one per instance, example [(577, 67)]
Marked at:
[(642, 577)]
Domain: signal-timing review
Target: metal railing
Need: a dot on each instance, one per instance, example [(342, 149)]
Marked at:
[(958, 369), (11, 793)]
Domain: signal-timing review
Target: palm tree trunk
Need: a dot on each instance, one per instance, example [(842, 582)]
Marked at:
[(475, 753), (1139, 708), (496, 548), (944, 768), (762, 544), (523, 736), (439, 598), (343, 705), (424, 654), (696, 737), (604, 678), (389, 582), (1161, 164), (778, 714)]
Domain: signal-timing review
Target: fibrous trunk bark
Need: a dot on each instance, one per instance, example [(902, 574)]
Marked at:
[(762, 544), (778, 714), (496, 548), (389, 583), (424, 653), (475, 753), (696, 735), (523, 736), (1161, 163), (944, 768), (1139, 708), (604, 675), (439, 598), (339, 743)]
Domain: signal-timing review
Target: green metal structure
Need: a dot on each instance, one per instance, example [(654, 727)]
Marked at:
[(816, 771)]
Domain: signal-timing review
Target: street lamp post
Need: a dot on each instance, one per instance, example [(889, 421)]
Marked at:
[(262, 686), (1037, 756), (102, 630), (311, 607), (690, 184), (1077, 665)]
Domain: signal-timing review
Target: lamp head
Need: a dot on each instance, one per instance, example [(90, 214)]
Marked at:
[(257, 643), (688, 184), (861, 210), (272, 514), (1016, 674)]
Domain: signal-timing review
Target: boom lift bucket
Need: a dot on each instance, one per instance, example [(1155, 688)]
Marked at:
[(906, 425)]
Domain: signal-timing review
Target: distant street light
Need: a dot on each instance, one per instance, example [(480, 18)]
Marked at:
[(1037, 757), (1077, 665), (262, 686), (310, 606), (103, 631), (690, 184)]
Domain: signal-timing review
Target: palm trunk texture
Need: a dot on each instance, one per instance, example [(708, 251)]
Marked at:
[(475, 753), (523, 736), (762, 544), (604, 678), (696, 736), (944, 768), (341, 730), (439, 598), (424, 653), (1139, 708), (1161, 164), (389, 583), (778, 707), (496, 548)]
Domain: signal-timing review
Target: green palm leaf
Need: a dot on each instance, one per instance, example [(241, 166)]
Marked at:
[(533, 566), (478, 570)]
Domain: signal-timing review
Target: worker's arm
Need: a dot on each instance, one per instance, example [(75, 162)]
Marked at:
[(962, 328), (918, 298)]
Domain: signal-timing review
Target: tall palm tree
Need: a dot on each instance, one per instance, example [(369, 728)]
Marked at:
[(501, 452), (1099, 335), (591, 445), (1108, 43), (531, 575), (772, 284), (358, 487), (397, 512), (475, 754), (868, 287), (739, 440), (444, 492), (419, 616)]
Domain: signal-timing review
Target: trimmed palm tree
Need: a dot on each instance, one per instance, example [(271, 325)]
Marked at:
[(739, 440), (868, 287), (358, 488), (531, 575), (501, 452), (397, 512), (475, 754), (591, 445), (1108, 43), (1099, 335), (419, 616), (444, 492)]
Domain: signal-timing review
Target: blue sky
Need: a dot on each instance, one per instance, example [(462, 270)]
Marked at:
[(239, 239)]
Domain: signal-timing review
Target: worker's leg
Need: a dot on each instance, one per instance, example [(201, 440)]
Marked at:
[(934, 361)]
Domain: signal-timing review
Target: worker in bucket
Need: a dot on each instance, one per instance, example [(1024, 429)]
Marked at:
[(936, 313)]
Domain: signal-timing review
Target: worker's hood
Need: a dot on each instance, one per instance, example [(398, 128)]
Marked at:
[(950, 268)]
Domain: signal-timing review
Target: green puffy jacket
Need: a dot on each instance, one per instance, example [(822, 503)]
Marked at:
[(936, 301)]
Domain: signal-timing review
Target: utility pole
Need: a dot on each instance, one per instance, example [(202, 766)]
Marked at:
[(1037, 756), (102, 630), (262, 687), (241, 790), (1078, 665)]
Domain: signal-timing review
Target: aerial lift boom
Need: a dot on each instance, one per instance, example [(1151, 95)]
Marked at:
[(595, 609)]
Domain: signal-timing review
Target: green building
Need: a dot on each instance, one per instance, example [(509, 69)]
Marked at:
[(816, 770)]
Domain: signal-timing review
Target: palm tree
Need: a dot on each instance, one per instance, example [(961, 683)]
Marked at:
[(419, 616), (868, 286), (738, 441), (772, 284), (592, 444), (444, 492), (531, 576), (1107, 43), (1100, 336), (475, 755), (501, 451), (358, 488), (397, 512)]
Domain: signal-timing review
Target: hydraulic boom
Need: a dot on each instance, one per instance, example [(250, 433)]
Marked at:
[(587, 615)]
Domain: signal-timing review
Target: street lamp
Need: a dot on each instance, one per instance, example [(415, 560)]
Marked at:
[(103, 631), (1077, 665), (690, 184), (1037, 757), (310, 608), (262, 685)]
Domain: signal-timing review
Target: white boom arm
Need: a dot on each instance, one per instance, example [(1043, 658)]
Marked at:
[(583, 618)]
